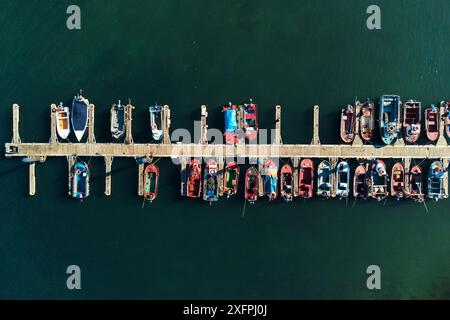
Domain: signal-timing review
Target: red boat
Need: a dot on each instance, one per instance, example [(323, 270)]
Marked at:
[(194, 180), (250, 120), (231, 179), (432, 122), (412, 116), (359, 182), (348, 124), (286, 183), (306, 178), (415, 184), (367, 120), (446, 107), (251, 185), (398, 181), (151, 177), (230, 114)]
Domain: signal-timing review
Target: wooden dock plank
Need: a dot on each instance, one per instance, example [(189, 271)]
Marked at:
[(16, 118), (278, 139), (53, 124), (141, 179), (108, 165), (91, 123), (32, 175)]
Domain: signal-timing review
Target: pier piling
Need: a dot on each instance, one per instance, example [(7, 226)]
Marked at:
[(141, 179), (316, 139), (204, 126), (442, 141), (16, 136), (32, 175), (53, 124), (128, 124), (108, 165), (91, 121), (278, 139), (166, 124)]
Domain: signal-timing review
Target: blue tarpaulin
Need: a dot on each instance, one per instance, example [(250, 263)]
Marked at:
[(230, 120), (270, 184)]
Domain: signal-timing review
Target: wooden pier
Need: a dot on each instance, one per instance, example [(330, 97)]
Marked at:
[(38, 152)]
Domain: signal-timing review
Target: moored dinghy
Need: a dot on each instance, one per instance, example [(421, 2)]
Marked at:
[(79, 179), (250, 120), (415, 184), (367, 120), (251, 185), (194, 186), (79, 114), (436, 174), (359, 182), (231, 179), (432, 123), (286, 183), (342, 180), (62, 121), (270, 180), (378, 180), (306, 179), (210, 182), (348, 124), (389, 118), (398, 181), (117, 120), (446, 107), (151, 180), (324, 179), (156, 115), (412, 116)]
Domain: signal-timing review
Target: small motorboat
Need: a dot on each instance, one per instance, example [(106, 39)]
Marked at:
[(366, 119), (306, 179), (415, 184), (389, 118), (156, 115), (359, 182), (117, 120), (62, 121), (194, 186), (151, 178), (270, 176), (324, 179), (79, 115), (251, 185), (412, 117), (348, 124), (398, 181), (446, 107), (432, 123), (250, 120), (436, 175), (210, 182), (378, 180), (231, 180), (286, 183), (230, 115), (342, 179), (79, 179)]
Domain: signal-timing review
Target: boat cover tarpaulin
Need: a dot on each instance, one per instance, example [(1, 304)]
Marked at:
[(79, 114), (270, 183), (230, 120)]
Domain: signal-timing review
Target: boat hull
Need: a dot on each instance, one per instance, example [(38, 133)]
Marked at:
[(151, 181), (210, 182), (79, 180), (270, 180), (324, 179), (367, 120), (348, 124), (230, 117), (378, 180), (193, 183), (398, 181), (231, 179), (389, 118), (342, 179), (251, 185), (359, 182), (286, 183), (412, 117), (156, 122), (62, 121), (436, 189), (306, 179), (117, 121), (250, 121), (79, 116), (415, 184), (432, 123)]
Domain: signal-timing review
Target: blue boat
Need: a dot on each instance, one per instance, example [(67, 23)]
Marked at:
[(79, 117), (230, 123), (79, 180), (389, 118), (436, 175)]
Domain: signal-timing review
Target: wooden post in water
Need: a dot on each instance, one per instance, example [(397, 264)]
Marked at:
[(16, 136), (316, 139), (166, 124), (108, 165), (32, 174), (278, 139), (128, 123), (442, 141), (141, 179), (204, 126), (53, 124), (91, 121)]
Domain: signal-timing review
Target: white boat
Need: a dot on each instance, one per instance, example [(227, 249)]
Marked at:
[(62, 121), (79, 115), (342, 179), (117, 120), (324, 179), (156, 122)]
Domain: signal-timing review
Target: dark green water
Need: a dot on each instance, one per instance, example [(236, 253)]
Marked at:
[(293, 53)]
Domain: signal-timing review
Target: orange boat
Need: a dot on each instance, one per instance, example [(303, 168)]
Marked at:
[(367, 120), (348, 124), (306, 178), (412, 116), (359, 182), (446, 107), (432, 122), (398, 181), (415, 184), (194, 180), (230, 183), (251, 185), (286, 181), (151, 178)]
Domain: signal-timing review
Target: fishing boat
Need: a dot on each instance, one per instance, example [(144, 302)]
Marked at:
[(398, 181), (117, 120), (251, 185), (359, 182), (210, 182), (79, 114), (412, 117), (79, 180), (151, 178), (342, 179), (348, 124), (306, 179), (415, 184), (367, 120), (62, 121), (436, 174), (230, 115), (286, 183), (446, 107), (432, 123), (389, 118), (378, 180), (231, 179), (324, 179), (270, 179), (156, 115), (250, 120), (194, 186)]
